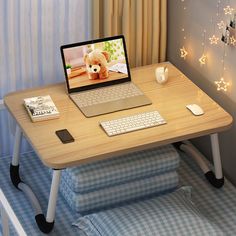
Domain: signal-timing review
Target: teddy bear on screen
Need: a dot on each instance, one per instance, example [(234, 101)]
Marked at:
[(96, 64)]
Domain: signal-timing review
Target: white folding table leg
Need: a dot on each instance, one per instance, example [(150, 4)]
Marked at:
[(17, 144), (46, 224), (216, 156), (217, 178), (53, 196), (14, 167)]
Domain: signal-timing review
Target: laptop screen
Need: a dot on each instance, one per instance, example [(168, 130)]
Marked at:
[(95, 63)]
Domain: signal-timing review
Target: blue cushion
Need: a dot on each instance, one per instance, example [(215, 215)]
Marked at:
[(118, 170), (171, 214), (118, 194)]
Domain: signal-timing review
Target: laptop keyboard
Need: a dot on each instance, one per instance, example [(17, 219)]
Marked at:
[(132, 123), (107, 94)]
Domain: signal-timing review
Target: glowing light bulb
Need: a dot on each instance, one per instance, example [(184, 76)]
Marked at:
[(228, 10), (213, 39), (221, 24), (183, 52), (202, 59), (222, 85), (232, 41)]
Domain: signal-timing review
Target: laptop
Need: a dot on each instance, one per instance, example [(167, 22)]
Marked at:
[(98, 77)]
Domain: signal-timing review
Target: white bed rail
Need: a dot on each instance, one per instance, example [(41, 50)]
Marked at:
[(8, 214)]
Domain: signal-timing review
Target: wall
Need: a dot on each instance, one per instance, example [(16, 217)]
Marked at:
[(31, 33), (197, 17)]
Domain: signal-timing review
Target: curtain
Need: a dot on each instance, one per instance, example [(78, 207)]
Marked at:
[(142, 22), (31, 33)]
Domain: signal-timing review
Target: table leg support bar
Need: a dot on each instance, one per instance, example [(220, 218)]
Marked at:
[(191, 150), (45, 224), (15, 176), (217, 183), (215, 179), (40, 219)]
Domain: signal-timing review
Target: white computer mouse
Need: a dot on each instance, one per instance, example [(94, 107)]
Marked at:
[(195, 109)]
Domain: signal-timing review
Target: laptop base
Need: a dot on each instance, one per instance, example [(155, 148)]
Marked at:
[(108, 107)]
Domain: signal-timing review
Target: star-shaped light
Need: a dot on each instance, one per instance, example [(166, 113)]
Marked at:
[(221, 24), (222, 85), (232, 41), (202, 59), (214, 39), (228, 10), (183, 52)]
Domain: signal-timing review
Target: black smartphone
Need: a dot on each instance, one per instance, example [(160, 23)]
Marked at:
[(64, 136)]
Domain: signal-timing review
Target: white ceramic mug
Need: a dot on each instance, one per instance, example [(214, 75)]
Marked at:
[(161, 74)]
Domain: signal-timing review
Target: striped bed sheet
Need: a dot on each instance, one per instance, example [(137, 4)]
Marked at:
[(166, 215)]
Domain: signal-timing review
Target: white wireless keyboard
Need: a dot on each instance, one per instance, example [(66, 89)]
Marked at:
[(132, 123)]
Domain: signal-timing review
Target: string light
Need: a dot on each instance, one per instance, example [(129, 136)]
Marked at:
[(218, 9), (203, 58), (183, 52), (226, 36), (213, 39), (222, 84), (232, 40), (228, 10), (221, 24)]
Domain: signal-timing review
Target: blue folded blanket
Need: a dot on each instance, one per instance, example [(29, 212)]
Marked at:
[(118, 170), (171, 214), (117, 194)]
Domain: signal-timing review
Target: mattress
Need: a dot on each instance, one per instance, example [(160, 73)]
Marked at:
[(166, 215), (218, 205)]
